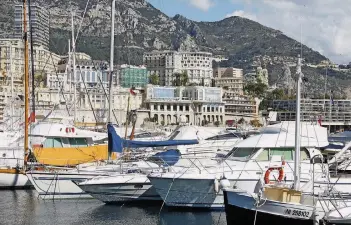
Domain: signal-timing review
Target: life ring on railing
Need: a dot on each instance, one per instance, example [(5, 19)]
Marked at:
[(268, 172)]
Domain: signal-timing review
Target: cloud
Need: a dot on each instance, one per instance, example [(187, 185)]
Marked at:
[(203, 5), (241, 13), (320, 24)]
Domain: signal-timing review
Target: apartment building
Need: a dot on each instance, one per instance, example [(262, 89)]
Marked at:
[(132, 76), (165, 64), (40, 25), (12, 50), (230, 79)]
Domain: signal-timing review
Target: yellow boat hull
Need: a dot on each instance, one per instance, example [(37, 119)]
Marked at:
[(71, 156)]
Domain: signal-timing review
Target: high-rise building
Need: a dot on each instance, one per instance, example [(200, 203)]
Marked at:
[(198, 66), (40, 24)]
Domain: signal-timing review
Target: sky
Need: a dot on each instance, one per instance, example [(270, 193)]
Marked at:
[(324, 25)]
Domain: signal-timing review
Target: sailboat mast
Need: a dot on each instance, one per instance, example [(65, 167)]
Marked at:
[(297, 127), (74, 69), (31, 55), (26, 83), (68, 67), (113, 8), (12, 98)]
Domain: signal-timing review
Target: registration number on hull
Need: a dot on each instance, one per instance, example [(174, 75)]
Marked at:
[(297, 213)]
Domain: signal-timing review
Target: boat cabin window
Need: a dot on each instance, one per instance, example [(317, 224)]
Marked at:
[(148, 135), (243, 153), (52, 143), (287, 153), (78, 142), (304, 154), (224, 137), (174, 135)]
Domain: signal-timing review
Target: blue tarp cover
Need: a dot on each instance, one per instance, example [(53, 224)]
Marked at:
[(116, 143), (169, 157)]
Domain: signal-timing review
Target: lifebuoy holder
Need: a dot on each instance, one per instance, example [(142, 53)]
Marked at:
[(268, 172)]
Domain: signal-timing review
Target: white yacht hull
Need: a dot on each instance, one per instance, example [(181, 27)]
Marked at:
[(241, 208), (200, 191), (59, 185), (120, 188), (14, 181)]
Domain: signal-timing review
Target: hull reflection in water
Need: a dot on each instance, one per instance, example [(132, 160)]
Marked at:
[(22, 207)]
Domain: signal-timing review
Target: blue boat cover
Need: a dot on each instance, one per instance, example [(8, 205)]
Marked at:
[(168, 158), (116, 143)]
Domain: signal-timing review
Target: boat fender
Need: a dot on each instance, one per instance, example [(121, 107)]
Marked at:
[(224, 183), (216, 185)]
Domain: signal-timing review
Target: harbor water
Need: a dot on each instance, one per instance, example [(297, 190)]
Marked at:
[(23, 207)]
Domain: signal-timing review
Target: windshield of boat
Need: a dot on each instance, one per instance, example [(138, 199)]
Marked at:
[(148, 135), (266, 154), (174, 134), (242, 153), (226, 136)]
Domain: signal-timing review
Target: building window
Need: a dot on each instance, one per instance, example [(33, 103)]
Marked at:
[(88, 76), (93, 76)]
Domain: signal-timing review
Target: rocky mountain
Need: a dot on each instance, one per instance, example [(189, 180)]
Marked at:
[(140, 27)]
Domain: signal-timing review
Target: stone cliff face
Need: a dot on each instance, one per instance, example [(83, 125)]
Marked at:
[(140, 27)]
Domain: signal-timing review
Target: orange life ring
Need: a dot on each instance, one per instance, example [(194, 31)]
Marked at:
[(268, 172)]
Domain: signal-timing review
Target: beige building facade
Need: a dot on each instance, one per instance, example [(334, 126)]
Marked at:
[(198, 66)]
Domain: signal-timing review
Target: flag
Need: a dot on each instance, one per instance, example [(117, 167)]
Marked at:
[(31, 118), (132, 91), (320, 120)]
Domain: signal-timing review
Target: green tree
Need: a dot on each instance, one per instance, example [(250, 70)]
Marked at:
[(39, 79), (154, 79), (184, 79), (241, 121), (180, 79), (256, 90), (176, 81)]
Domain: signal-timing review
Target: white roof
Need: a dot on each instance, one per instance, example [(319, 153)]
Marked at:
[(196, 132), (283, 135), (49, 129)]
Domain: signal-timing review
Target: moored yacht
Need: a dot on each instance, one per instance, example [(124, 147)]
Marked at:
[(63, 183), (244, 166)]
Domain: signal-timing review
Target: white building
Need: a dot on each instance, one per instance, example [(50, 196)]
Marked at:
[(230, 79), (90, 74), (198, 66), (94, 99), (237, 107), (13, 50), (197, 104)]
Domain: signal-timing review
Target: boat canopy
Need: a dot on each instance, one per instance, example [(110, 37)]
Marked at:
[(283, 135), (116, 143), (168, 158)]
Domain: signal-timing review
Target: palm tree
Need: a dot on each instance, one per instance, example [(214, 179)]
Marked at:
[(181, 79), (184, 78), (154, 79)]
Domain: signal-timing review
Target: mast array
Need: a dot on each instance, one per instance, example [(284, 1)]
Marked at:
[(26, 83)]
